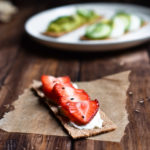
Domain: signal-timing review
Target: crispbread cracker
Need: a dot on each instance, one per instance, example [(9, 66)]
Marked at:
[(75, 133), (86, 38), (52, 34)]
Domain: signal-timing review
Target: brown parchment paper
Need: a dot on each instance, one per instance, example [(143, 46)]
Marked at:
[(30, 116)]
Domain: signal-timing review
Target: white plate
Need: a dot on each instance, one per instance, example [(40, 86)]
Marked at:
[(38, 23)]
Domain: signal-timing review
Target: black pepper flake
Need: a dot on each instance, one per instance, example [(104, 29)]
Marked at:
[(82, 116), (63, 88), (71, 98)]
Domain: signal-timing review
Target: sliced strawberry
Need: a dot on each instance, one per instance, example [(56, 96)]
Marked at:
[(48, 83), (75, 103), (80, 112), (65, 93)]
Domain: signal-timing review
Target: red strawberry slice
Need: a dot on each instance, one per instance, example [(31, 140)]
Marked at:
[(81, 112), (75, 103), (67, 93), (48, 83)]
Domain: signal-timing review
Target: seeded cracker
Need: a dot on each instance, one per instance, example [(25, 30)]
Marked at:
[(75, 133)]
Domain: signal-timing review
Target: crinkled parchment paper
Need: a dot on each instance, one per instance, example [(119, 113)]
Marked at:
[(31, 116)]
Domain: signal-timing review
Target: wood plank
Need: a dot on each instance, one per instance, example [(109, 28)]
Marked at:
[(136, 137), (96, 145), (31, 65), (11, 31), (11, 36), (102, 64), (28, 63), (70, 68), (9, 41), (11, 141), (138, 106), (19, 78), (6, 60)]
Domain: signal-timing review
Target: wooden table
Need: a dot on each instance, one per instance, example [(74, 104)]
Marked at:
[(22, 60)]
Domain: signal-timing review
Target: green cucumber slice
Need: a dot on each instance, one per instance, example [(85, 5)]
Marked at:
[(86, 13), (125, 18), (98, 31)]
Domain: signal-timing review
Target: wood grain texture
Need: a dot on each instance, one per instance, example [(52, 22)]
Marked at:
[(138, 106), (9, 42), (108, 65), (112, 62), (22, 60)]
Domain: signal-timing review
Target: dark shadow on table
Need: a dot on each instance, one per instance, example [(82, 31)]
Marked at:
[(34, 48)]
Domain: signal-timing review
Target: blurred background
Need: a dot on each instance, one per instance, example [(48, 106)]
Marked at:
[(45, 4), (62, 2)]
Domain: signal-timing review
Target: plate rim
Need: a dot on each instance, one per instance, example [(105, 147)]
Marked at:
[(85, 43)]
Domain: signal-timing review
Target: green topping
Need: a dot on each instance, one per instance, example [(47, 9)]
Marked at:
[(104, 28), (64, 24), (69, 23), (88, 14), (98, 31), (124, 17)]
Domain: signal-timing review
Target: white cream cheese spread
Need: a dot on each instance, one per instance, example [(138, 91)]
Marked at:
[(96, 122), (75, 85)]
